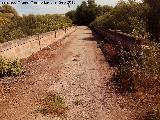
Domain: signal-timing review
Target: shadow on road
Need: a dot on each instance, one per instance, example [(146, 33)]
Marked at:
[(93, 37)]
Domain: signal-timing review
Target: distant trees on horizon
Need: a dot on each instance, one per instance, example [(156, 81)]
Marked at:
[(138, 19)]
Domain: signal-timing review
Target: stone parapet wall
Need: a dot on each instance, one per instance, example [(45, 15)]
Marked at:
[(23, 48), (119, 37)]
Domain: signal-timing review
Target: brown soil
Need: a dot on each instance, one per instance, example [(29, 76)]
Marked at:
[(73, 68)]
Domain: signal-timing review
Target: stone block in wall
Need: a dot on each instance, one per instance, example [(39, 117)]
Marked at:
[(60, 34), (47, 39)]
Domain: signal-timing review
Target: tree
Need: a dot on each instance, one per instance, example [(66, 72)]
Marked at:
[(81, 14), (71, 15), (9, 9), (86, 13), (91, 13), (6, 14), (153, 18)]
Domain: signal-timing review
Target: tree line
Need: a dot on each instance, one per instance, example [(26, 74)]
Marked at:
[(13, 26), (140, 19)]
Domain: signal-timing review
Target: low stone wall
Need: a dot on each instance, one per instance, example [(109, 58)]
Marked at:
[(119, 37), (23, 48)]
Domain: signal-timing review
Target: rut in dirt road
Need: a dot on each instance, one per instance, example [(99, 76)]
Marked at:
[(75, 69)]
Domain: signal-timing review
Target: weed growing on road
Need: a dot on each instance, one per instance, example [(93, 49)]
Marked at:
[(53, 105)]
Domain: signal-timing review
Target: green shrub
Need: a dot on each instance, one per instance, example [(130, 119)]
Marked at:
[(10, 68)]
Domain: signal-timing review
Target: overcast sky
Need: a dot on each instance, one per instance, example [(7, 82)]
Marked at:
[(50, 9)]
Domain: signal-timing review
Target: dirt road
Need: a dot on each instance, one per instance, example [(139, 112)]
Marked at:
[(75, 69)]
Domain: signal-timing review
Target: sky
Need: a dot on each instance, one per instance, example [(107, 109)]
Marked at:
[(50, 9)]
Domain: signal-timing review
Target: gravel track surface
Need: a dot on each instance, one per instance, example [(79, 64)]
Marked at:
[(74, 68)]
